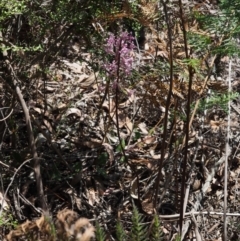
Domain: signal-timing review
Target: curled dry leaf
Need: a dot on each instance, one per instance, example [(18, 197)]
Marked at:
[(197, 184), (109, 106), (142, 127), (87, 82), (134, 189), (38, 110), (50, 89), (147, 206), (61, 106), (149, 140), (215, 125), (129, 125), (81, 78), (76, 68), (154, 156), (74, 111)]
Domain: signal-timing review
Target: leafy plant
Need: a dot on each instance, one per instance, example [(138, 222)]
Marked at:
[(120, 233), (121, 146), (199, 42), (7, 220), (138, 231), (100, 234), (216, 24), (155, 234), (12, 7), (178, 238), (217, 100)]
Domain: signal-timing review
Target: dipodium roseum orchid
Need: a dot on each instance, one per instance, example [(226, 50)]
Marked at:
[(121, 49)]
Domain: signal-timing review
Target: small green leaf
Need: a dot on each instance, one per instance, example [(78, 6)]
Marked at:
[(121, 146)]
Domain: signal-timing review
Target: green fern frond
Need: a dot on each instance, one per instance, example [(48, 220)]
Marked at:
[(217, 100), (100, 234), (120, 233), (155, 234), (138, 231)]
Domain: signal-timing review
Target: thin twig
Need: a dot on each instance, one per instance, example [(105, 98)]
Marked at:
[(117, 100), (10, 184), (6, 117), (188, 214), (198, 235), (227, 150), (163, 147), (187, 127)]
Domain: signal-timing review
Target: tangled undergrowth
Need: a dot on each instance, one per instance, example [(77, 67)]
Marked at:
[(110, 105)]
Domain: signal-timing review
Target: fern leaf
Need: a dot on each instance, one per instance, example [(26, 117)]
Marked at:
[(155, 234), (138, 231), (120, 233), (100, 235)]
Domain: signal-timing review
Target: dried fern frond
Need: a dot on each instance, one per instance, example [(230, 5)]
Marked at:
[(65, 219), (159, 89), (67, 226), (83, 230), (32, 230), (110, 18), (149, 12), (218, 86)]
